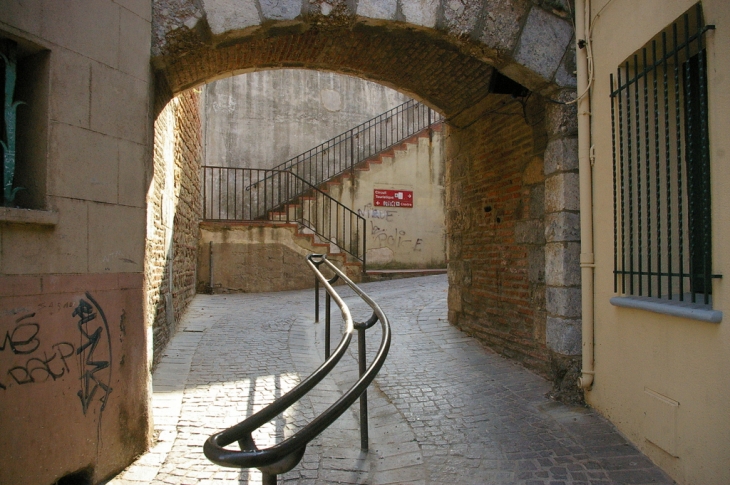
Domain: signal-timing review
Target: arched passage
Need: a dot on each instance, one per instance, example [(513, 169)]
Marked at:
[(511, 185)]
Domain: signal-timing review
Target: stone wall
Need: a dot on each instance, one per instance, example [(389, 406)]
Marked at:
[(262, 119), (174, 211), (495, 225)]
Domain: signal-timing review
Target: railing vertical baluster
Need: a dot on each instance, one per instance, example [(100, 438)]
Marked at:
[(668, 168), (691, 207), (657, 171), (623, 181), (680, 208), (615, 210), (327, 303), (647, 159), (706, 204), (630, 165), (639, 219)]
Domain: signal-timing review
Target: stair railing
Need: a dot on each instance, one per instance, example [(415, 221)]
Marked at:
[(251, 194), (343, 152), (283, 456)]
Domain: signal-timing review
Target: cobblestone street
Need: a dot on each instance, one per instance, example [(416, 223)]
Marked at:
[(443, 410)]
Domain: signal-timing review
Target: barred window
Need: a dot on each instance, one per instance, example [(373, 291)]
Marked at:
[(661, 167)]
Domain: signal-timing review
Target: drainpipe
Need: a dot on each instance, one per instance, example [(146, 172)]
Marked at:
[(582, 34)]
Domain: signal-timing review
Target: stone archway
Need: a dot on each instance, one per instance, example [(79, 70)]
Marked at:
[(520, 207)]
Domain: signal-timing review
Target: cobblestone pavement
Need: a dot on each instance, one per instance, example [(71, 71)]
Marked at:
[(443, 410)]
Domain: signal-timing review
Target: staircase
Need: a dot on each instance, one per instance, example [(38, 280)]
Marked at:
[(296, 190)]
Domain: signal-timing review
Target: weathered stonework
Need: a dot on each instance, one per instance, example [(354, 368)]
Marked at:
[(511, 205), (174, 211), (496, 232)]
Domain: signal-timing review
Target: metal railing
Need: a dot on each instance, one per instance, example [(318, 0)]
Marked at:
[(661, 167), (344, 151), (251, 194), (285, 455)]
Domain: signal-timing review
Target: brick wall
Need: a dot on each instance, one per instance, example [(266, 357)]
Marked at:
[(495, 222), (174, 211)]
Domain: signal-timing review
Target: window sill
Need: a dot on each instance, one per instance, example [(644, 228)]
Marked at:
[(684, 309), (11, 215)]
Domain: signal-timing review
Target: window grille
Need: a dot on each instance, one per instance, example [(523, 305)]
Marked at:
[(661, 167)]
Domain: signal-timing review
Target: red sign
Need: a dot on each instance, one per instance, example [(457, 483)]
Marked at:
[(393, 198)]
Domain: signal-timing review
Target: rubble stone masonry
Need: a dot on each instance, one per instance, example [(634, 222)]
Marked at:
[(495, 225), (174, 212)]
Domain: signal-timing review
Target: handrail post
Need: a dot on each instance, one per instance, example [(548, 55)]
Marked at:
[(361, 350), (327, 300), (316, 300), (364, 246), (267, 479)]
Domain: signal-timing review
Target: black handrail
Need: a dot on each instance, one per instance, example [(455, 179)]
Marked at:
[(376, 135), (285, 455), (251, 194)]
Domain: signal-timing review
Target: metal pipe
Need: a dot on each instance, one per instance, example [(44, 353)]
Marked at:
[(587, 261), (362, 366)]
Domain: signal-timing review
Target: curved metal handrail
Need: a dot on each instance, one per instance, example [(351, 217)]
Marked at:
[(285, 455)]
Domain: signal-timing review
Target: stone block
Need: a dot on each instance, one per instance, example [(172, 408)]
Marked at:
[(60, 249), (562, 193), (119, 104), (423, 12), (132, 180), (561, 155), (142, 8), (224, 15), (99, 22), (70, 78), (461, 16), (563, 302), (134, 50), (536, 264), (566, 75), (562, 264), (562, 226), (530, 232), (534, 172), (564, 336), (537, 202), (280, 9), (378, 9), (502, 20), (83, 164), (543, 42), (26, 15), (562, 119), (116, 238)]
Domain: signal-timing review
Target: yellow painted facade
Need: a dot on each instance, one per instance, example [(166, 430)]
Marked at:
[(661, 379)]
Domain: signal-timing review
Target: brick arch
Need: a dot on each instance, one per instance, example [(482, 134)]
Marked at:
[(447, 61)]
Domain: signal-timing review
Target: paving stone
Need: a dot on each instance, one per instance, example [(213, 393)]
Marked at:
[(443, 410)]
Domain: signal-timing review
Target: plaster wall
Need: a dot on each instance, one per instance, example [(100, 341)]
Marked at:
[(73, 357), (253, 258), (399, 237), (264, 118), (663, 379)]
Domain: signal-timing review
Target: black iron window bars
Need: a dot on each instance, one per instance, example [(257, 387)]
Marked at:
[(661, 167)]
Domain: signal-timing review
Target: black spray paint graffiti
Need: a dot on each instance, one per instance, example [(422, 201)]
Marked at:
[(368, 212), (96, 374), (94, 353)]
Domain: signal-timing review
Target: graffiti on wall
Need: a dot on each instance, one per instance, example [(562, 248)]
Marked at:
[(26, 358)]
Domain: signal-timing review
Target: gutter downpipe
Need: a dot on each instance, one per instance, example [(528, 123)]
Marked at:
[(587, 262)]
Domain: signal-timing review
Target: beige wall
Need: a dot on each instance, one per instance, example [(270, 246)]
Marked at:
[(663, 380), (262, 119), (71, 270), (400, 237)]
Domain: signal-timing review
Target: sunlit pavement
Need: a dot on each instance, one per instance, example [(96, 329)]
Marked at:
[(443, 410)]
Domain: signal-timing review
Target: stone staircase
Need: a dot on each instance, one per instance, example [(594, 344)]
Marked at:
[(304, 204)]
